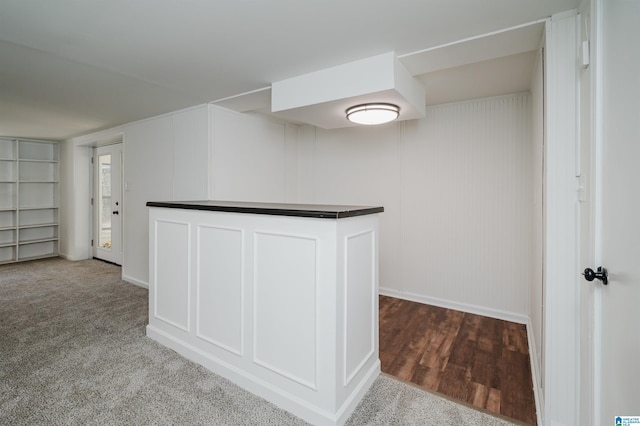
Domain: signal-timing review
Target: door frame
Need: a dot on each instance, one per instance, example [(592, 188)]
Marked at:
[(561, 381), (589, 167), (118, 257)]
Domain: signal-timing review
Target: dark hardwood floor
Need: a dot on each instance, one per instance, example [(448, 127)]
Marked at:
[(474, 359)]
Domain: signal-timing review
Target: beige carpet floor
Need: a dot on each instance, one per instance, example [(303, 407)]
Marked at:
[(73, 351)]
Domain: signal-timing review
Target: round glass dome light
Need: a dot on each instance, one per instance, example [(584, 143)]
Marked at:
[(373, 113)]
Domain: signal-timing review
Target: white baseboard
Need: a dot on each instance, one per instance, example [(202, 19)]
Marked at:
[(258, 386), (535, 373), (450, 304), (135, 281), (72, 258)]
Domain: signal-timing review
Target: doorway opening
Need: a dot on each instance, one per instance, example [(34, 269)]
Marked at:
[(107, 203)]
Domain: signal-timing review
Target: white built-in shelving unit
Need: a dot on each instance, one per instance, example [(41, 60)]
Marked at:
[(28, 199)]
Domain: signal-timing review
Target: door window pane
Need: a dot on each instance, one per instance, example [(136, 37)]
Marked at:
[(104, 197)]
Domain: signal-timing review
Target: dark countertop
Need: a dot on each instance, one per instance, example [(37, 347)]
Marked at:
[(321, 211)]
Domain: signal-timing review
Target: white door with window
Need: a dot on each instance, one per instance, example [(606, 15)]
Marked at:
[(107, 203)]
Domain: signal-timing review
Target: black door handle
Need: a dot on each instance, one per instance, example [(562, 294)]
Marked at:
[(600, 274), (116, 212)]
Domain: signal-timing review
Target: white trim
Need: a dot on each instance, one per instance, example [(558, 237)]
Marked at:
[(562, 315), (597, 7), (250, 92), (135, 281), (451, 304), (538, 393), (256, 385), (105, 136), (472, 38), (311, 384), (72, 258), (198, 257), (114, 132), (347, 377)]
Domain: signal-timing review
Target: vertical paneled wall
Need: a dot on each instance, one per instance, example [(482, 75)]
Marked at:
[(357, 166), (165, 158), (252, 157), (456, 186), (458, 197), (467, 204)]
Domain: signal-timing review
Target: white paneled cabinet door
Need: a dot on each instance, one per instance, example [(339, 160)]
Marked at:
[(107, 203)]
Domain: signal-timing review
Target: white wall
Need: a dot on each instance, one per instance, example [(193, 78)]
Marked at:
[(191, 154), (253, 158), (357, 166), (165, 158), (457, 191), (76, 191), (75, 195), (456, 187)]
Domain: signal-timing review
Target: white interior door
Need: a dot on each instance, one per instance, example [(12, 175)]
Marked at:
[(619, 223), (586, 206), (107, 203)]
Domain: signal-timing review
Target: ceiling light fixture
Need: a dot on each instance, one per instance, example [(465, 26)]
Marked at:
[(373, 113)]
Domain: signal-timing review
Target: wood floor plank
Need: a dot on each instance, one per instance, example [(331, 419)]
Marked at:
[(493, 401), (477, 360), (455, 383), (485, 369), (479, 395)]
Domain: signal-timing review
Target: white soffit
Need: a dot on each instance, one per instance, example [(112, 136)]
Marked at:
[(510, 41), (495, 77), (251, 101), (321, 98)]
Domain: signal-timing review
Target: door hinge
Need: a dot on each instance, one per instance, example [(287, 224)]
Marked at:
[(91, 243), (91, 201), (582, 188)]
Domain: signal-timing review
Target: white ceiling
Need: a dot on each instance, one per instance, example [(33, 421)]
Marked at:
[(70, 67)]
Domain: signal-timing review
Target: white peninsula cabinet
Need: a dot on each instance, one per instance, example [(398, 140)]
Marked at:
[(281, 299), (28, 199)]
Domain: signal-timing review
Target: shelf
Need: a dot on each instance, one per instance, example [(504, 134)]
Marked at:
[(33, 160), (8, 237), (8, 150), (37, 151), (41, 240), (39, 225), (36, 208), (44, 256), (29, 189), (8, 254), (36, 181), (37, 249)]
